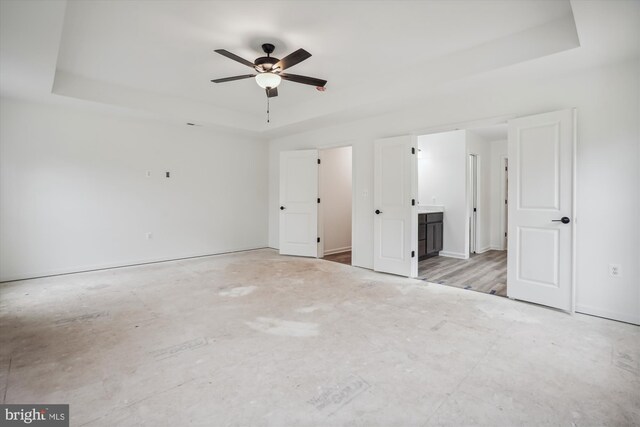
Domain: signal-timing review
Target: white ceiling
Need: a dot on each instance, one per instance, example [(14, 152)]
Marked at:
[(167, 47), (156, 57)]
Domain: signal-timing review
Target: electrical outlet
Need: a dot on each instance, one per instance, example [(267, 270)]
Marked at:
[(149, 236), (615, 270)]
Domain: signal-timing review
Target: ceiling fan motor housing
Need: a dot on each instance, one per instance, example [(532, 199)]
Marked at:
[(265, 63)]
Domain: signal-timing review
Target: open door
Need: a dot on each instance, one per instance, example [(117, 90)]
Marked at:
[(395, 237), (540, 246), (299, 203)]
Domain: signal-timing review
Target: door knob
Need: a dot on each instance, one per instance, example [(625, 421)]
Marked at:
[(282, 208), (563, 220), (378, 211)]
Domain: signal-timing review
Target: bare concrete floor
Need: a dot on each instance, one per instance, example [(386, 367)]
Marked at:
[(257, 339)]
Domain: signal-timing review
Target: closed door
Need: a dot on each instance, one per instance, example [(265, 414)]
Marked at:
[(395, 218), (540, 245), (299, 203)]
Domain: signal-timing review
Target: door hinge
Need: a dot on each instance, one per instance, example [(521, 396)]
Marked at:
[(475, 209), (413, 150), (506, 168), (318, 240), (318, 199), (505, 201), (413, 254), (413, 202), (318, 161), (505, 234)]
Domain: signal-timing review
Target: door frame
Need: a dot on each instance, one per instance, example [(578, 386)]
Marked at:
[(574, 210), (489, 121), (504, 191), (472, 202)]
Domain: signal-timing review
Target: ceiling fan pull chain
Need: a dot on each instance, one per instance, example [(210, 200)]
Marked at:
[(267, 109)]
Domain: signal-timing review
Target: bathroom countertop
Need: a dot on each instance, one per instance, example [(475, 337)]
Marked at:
[(430, 209)]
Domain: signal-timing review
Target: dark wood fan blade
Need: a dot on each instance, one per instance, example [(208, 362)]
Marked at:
[(230, 79), (304, 79), (292, 59), (271, 92), (235, 57)]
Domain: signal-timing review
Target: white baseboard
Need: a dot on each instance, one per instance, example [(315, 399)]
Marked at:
[(106, 266), (337, 251), (622, 317), (490, 248), (483, 250), (454, 255)]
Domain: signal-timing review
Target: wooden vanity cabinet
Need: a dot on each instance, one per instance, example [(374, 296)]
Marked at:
[(429, 234)]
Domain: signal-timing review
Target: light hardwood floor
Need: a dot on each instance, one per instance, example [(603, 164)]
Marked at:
[(486, 272)]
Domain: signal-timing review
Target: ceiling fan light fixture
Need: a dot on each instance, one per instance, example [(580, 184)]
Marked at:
[(268, 80)]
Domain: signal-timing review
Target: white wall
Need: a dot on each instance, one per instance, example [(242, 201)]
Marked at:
[(335, 198), (74, 193), (498, 195), (608, 173), (442, 181)]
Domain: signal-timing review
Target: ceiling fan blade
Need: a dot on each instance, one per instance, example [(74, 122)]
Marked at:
[(235, 57), (271, 92), (304, 79), (292, 59), (230, 79)]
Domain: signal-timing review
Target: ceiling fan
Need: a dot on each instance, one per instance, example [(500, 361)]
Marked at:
[(268, 69)]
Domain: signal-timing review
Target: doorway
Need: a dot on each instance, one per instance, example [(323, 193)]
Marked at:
[(335, 204), (460, 175)]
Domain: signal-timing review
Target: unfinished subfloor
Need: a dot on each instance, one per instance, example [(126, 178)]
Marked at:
[(255, 339)]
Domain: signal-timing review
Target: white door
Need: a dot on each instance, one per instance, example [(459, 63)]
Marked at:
[(540, 244), (299, 203), (395, 237)]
